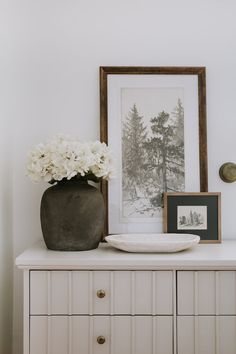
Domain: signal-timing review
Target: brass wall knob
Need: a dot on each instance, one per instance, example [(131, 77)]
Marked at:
[(101, 293), (228, 172), (101, 340)]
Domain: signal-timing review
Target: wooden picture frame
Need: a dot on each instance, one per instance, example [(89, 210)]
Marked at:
[(110, 102), (194, 213)]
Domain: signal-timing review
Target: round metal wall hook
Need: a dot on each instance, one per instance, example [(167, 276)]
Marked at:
[(227, 172)]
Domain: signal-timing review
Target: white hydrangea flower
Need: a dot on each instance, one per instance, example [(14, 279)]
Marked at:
[(64, 157)]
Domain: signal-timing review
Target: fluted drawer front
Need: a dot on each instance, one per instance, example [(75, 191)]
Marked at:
[(101, 334), (206, 334), (101, 292), (206, 292)]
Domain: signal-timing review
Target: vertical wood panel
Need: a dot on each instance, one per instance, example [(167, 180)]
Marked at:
[(163, 334), (122, 335), (59, 292), (49, 335), (217, 342), (101, 280), (227, 292), (133, 336), (70, 334), (143, 334), (206, 293), (227, 334), (26, 305), (112, 293), (101, 328), (185, 334), (39, 292), (122, 295), (196, 296), (70, 311), (59, 334), (49, 293), (91, 294), (207, 335), (174, 310), (163, 293), (133, 287), (154, 336), (80, 292), (80, 336), (217, 293), (196, 337), (154, 293), (91, 329), (185, 292), (38, 335), (143, 292), (112, 335)]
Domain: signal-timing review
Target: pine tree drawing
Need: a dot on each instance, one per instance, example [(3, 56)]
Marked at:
[(152, 159), (133, 154)]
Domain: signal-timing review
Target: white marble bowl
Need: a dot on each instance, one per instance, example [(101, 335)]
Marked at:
[(151, 243)]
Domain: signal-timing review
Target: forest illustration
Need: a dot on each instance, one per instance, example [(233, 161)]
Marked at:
[(152, 159)]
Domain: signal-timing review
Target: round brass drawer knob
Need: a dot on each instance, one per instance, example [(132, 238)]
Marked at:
[(101, 340), (101, 293)]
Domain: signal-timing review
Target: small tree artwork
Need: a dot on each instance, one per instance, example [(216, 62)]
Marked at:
[(152, 149)]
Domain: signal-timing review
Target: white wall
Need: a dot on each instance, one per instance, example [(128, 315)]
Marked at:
[(54, 49)]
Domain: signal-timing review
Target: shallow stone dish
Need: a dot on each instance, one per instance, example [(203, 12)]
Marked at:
[(152, 243)]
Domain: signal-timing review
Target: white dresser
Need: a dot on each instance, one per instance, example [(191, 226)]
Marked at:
[(107, 301)]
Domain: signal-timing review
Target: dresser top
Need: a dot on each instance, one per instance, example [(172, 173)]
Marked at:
[(203, 256)]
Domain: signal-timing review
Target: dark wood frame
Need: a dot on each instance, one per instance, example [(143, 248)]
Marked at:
[(140, 70), (182, 194)]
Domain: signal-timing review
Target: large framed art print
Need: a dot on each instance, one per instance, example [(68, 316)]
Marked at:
[(154, 121)]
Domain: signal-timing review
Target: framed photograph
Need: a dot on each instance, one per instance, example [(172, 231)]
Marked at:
[(193, 213), (154, 120)]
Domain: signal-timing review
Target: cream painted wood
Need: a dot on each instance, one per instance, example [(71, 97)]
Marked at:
[(204, 256), (206, 292), (81, 301), (199, 284), (26, 309), (101, 281), (39, 284), (227, 292), (123, 334), (126, 292), (206, 334)]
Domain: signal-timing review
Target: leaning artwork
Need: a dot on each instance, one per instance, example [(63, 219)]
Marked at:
[(154, 120)]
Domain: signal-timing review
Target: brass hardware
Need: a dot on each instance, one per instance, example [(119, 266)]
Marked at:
[(227, 172), (101, 293), (101, 340)]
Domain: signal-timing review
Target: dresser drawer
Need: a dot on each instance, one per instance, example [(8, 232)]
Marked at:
[(101, 335), (206, 334), (101, 292), (206, 292)]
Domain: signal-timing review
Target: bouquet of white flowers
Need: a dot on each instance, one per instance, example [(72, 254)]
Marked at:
[(64, 158)]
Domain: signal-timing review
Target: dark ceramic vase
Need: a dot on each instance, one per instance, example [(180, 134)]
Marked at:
[(72, 216)]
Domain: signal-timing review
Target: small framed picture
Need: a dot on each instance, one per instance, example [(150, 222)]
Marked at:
[(193, 213)]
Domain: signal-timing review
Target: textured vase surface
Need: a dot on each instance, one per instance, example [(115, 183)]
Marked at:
[(72, 216)]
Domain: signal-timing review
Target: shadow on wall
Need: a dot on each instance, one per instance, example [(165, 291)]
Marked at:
[(6, 256)]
